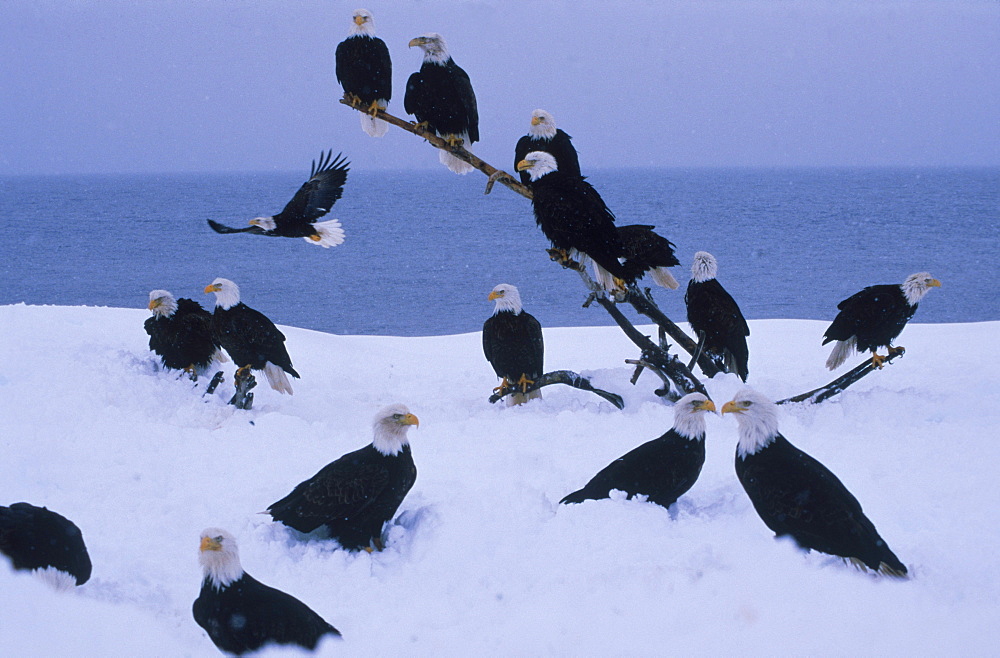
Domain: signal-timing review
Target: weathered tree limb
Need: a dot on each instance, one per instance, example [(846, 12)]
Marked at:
[(838, 385), (243, 397), (493, 174), (567, 377), (213, 384)]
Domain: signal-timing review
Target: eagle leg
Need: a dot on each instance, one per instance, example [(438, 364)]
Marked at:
[(191, 372), (502, 388), (353, 99), (423, 126), (524, 382), (373, 108), (559, 255), (893, 351), (877, 359), (454, 141), (315, 237)]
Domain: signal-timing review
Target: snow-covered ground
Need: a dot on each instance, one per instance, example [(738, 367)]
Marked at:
[(483, 560)]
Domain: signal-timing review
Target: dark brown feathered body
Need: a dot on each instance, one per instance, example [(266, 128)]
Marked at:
[(353, 496), (442, 96), (560, 146), (572, 215), (364, 68), (38, 538), (184, 339), (312, 201), (663, 470), (250, 338), (646, 250), (712, 310), (875, 317), (797, 496), (513, 344), (247, 615)]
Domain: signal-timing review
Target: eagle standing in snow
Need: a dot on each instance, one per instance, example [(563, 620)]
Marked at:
[(180, 333), (874, 317), (358, 493), (313, 200), (512, 342), (795, 495), (441, 98), (250, 338), (575, 219), (38, 539), (715, 316), (241, 614), (544, 136), (364, 70), (663, 469)]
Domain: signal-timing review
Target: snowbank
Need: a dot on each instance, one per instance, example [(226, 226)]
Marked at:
[(482, 559)]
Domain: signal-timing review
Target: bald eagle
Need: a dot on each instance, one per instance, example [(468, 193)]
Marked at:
[(440, 96), (874, 317), (648, 251), (715, 316), (364, 70), (797, 496), (241, 614), (38, 539), (575, 219), (662, 469), (512, 342), (354, 496), (544, 136), (313, 200), (250, 338), (180, 333)]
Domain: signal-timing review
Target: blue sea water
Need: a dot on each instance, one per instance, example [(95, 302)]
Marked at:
[(424, 248)]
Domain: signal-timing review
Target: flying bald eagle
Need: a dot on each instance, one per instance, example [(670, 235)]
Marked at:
[(241, 614), (37, 539), (250, 338), (358, 493), (797, 496), (313, 200), (544, 136), (662, 469), (364, 70), (874, 317), (649, 252), (440, 96), (512, 342), (180, 333), (575, 219), (715, 316)]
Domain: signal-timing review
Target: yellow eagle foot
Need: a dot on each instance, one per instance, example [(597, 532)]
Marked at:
[(502, 388), (893, 351), (374, 108), (877, 360), (353, 99), (524, 382)]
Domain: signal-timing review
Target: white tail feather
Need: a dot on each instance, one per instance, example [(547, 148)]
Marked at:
[(330, 232), (457, 165), (372, 126), (664, 278), (602, 277), (56, 579), (842, 350), (277, 378)]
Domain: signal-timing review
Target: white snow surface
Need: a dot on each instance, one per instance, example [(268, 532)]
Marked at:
[(481, 558)]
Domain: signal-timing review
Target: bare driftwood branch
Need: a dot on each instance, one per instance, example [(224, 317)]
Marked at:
[(838, 385), (243, 397), (567, 377), (493, 174)]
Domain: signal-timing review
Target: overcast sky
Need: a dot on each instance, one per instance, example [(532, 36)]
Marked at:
[(221, 85)]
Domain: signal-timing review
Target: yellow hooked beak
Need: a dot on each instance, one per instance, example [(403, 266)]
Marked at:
[(494, 295), (209, 544), (706, 405), (255, 222), (213, 287), (733, 407), (358, 20), (536, 120), (934, 283), (154, 303), (525, 164), (408, 419), (417, 41)]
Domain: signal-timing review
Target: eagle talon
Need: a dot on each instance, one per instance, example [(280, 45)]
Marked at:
[(352, 99), (191, 372), (373, 109), (877, 360), (524, 382), (503, 388)]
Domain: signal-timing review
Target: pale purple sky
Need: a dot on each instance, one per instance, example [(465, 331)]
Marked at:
[(221, 85)]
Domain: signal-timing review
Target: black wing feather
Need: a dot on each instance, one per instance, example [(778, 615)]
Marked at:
[(317, 195)]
